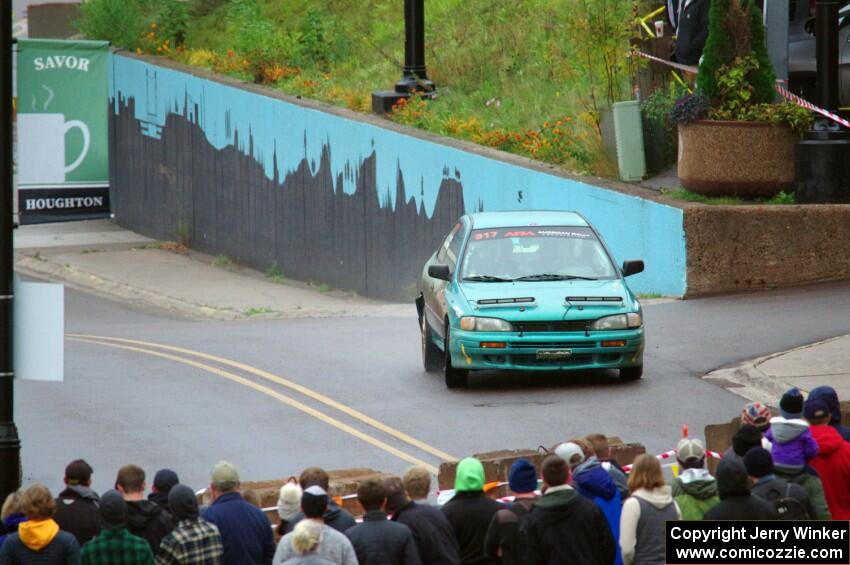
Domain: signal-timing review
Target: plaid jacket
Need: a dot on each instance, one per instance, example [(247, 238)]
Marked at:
[(117, 546), (191, 542)]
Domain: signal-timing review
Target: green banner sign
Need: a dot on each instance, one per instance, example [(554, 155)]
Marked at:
[(62, 114)]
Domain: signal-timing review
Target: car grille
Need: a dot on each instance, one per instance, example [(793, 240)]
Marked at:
[(551, 344), (558, 326), (534, 361)]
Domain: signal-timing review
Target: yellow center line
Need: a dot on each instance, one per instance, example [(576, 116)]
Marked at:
[(356, 414), (276, 395)]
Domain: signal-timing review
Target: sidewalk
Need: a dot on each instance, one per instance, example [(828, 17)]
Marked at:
[(767, 378), (105, 259)]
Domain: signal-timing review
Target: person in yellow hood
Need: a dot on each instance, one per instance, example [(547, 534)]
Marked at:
[(39, 540)]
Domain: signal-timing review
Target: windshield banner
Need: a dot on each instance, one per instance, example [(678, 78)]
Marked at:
[(62, 140)]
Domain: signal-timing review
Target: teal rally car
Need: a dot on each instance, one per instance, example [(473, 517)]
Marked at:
[(528, 291)]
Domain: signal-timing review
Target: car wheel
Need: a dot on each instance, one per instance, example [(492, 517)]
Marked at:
[(455, 378), (631, 373), (432, 357)]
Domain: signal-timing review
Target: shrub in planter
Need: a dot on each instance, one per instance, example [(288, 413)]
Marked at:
[(733, 140)]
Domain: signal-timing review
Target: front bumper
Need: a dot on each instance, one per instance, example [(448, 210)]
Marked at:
[(546, 351)]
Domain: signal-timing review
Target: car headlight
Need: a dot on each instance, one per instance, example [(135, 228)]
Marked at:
[(618, 322), (475, 324)]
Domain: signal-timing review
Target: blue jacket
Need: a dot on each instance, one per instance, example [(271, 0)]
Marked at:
[(10, 525), (828, 395), (245, 531), (594, 482)]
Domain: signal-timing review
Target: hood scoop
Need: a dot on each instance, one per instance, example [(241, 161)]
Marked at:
[(504, 301), (594, 299)]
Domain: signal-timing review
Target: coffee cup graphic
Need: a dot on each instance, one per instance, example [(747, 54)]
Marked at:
[(41, 148)]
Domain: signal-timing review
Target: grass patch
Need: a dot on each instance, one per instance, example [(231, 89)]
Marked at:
[(321, 287), (649, 295), (274, 274), (783, 198), (223, 262), (529, 77), (257, 311)]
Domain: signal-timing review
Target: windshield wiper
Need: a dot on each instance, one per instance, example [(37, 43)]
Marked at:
[(486, 278), (553, 277)]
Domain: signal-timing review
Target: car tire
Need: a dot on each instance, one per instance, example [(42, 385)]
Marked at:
[(631, 373), (432, 357), (455, 378)]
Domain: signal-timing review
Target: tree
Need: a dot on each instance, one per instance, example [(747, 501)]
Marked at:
[(735, 32)]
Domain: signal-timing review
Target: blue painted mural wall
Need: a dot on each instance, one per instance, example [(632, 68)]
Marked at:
[(287, 140)]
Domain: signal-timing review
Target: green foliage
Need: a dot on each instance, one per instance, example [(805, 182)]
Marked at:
[(597, 34), (274, 274), (172, 19), (117, 21), (783, 198), (734, 100), (258, 311), (504, 69), (736, 32), (201, 8)]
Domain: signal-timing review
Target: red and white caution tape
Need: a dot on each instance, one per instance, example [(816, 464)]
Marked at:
[(779, 88), (687, 68), (809, 106), (672, 453)]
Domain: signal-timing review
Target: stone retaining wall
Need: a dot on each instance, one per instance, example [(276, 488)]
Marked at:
[(733, 248)]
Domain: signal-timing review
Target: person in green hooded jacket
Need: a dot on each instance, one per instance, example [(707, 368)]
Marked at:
[(470, 512), (694, 490)]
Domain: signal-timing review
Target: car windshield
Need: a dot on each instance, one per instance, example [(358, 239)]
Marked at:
[(535, 254)]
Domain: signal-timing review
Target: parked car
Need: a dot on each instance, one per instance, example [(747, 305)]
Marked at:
[(802, 55), (529, 291)]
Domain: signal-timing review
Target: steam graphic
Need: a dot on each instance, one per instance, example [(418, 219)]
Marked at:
[(47, 102)]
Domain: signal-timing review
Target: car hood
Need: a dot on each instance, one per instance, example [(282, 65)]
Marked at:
[(550, 299)]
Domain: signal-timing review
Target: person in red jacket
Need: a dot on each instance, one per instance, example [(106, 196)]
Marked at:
[(832, 461)]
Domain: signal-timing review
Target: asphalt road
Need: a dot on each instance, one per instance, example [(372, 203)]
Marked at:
[(158, 407)]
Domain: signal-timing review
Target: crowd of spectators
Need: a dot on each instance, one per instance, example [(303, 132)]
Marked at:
[(579, 507)]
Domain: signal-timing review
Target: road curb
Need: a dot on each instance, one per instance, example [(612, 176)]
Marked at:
[(87, 282), (749, 381)]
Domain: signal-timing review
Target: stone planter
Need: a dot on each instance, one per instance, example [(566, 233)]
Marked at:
[(747, 159)]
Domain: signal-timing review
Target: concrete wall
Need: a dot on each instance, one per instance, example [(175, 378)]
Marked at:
[(732, 248), (334, 196)]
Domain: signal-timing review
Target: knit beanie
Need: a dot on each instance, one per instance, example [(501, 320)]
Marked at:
[(756, 414), (314, 502), (522, 477), (289, 501), (758, 462), (791, 404), (165, 479), (113, 510), (183, 503), (469, 476), (745, 439)]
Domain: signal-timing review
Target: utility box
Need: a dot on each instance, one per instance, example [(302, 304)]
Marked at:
[(628, 129)]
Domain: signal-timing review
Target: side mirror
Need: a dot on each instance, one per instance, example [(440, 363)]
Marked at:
[(439, 272), (632, 267)]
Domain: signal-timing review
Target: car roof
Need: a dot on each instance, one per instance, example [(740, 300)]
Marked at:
[(486, 220)]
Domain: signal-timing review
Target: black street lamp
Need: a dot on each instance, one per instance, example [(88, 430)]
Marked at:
[(823, 157), (10, 444), (415, 76)]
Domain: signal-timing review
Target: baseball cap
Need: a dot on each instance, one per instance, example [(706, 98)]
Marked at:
[(225, 475), (570, 452), (690, 450)]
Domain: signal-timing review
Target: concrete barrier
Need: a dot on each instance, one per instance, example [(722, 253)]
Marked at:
[(497, 464)]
